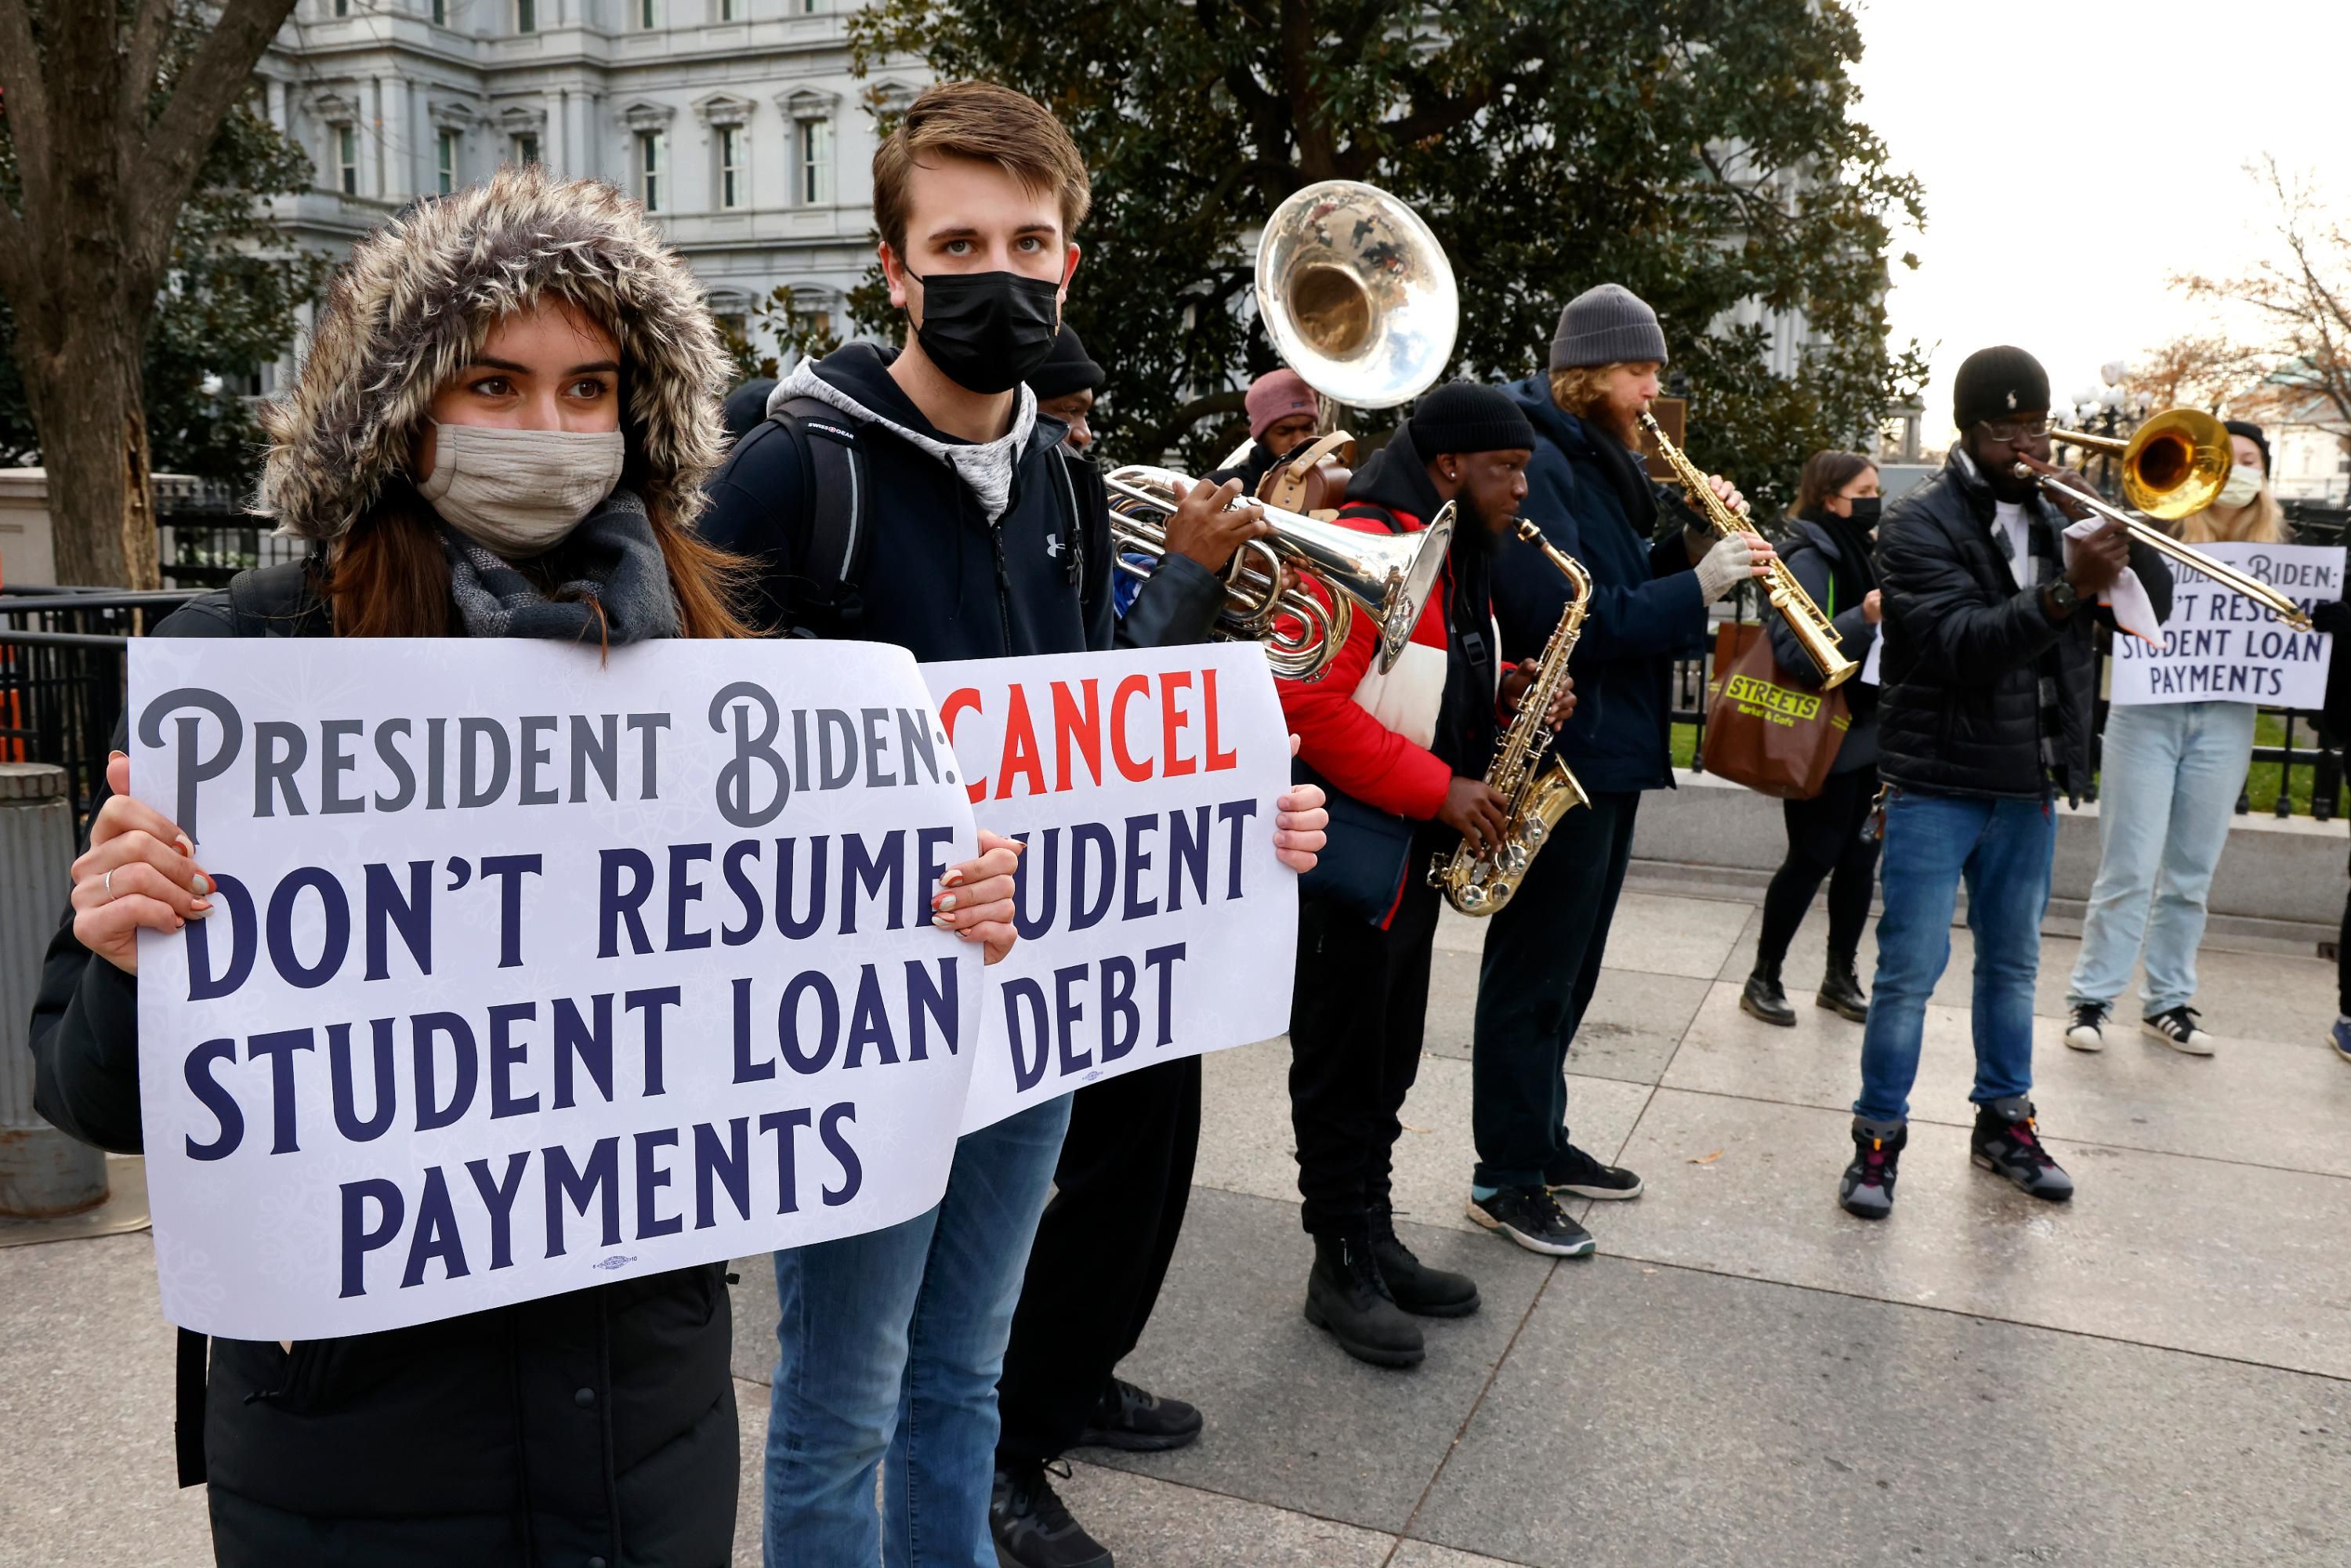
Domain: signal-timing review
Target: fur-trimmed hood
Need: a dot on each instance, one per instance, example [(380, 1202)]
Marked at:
[(420, 296)]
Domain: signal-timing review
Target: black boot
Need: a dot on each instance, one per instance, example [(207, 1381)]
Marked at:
[(1841, 991), (1345, 1296), (1764, 999), (1411, 1284)]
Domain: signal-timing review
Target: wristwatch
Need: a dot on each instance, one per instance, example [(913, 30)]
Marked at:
[(2061, 596)]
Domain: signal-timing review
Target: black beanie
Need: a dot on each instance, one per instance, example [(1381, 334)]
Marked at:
[(1998, 384), (1066, 369), (1468, 416), (2252, 432)]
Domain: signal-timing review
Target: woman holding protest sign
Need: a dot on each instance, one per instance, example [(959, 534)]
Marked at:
[(2168, 779), (500, 430)]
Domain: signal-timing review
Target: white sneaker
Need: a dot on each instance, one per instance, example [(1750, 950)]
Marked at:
[(2085, 1033), (2176, 1027)]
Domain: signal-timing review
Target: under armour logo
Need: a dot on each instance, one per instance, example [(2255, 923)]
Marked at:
[(2012, 399), (1054, 548)]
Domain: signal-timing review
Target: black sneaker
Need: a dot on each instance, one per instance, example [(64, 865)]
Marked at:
[(1764, 999), (2007, 1144), (2087, 1031), (1867, 1190), (1138, 1421), (1531, 1217), (1577, 1172), (2176, 1027), (1031, 1525)]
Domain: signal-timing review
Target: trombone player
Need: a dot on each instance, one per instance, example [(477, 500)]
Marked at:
[(1985, 714), (1589, 493)]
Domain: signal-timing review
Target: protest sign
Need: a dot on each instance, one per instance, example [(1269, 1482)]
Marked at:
[(2220, 646), (528, 971), (1154, 921)]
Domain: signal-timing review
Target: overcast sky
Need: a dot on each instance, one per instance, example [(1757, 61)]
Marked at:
[(2075, 156)]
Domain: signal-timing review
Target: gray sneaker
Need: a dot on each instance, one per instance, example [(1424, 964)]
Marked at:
[(2007, 1144), (1867, 1190)]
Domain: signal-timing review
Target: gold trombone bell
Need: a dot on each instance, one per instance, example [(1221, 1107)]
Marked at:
[(2173, 465)]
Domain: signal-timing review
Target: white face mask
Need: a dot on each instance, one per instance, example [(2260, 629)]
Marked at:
[(2242, 484), (517, 492)]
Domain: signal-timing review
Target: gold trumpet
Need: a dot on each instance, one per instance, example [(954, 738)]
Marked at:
[(1388, 576), (2173, 465), (1813, 632)]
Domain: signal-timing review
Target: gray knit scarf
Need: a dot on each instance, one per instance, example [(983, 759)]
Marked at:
[(615, 562)]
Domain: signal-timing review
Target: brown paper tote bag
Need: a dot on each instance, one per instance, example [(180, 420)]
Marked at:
[(1772, 734)]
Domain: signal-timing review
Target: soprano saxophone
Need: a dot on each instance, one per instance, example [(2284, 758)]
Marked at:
[(1539, 792)]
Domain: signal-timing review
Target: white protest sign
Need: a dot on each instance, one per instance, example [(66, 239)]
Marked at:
[(527, 972), (1154, 921), (2217, 645)]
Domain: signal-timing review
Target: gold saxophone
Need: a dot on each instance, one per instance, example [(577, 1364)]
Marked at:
[(1478, 883), (1814, 632)]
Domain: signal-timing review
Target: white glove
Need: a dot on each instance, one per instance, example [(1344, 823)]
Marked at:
[(1730, 563)]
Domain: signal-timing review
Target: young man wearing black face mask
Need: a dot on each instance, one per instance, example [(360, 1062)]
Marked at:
[(977, 542)]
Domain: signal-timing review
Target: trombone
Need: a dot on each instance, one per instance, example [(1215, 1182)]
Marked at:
[(1360, 300), (2173, 465)]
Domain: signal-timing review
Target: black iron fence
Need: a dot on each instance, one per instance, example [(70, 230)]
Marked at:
[(63, 658), (203, 537)]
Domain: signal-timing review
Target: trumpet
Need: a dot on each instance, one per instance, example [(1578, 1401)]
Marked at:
[(1390, 577), (1814, 633), (2173, 465)]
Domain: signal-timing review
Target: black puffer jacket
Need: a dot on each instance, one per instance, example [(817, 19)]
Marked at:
[(1960, 711), (588, 1429)]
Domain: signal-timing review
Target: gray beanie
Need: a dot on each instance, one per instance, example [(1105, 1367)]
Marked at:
[(1605, 324)]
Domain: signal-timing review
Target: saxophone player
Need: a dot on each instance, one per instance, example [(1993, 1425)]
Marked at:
[(1594, 500), (1405, 756)]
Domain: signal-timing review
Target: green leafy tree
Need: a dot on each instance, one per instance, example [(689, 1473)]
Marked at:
[(774, 328), (1703, 153)]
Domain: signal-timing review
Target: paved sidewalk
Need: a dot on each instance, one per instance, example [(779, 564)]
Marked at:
[(2158, 1374)]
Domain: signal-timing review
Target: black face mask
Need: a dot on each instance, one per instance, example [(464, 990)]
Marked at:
[(987, 330), (1865, 512)]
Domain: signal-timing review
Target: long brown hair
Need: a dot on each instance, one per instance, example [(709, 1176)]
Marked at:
[(1827, 473), (387, 578)]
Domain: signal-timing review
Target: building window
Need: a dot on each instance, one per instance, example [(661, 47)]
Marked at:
[(440, 13), (730, 167), (525, 16), (648, 14), (347, 158), (728, 10), (810, 7), (650, 159), (526, 147), (446, 168), (816, 163), (342, 7)]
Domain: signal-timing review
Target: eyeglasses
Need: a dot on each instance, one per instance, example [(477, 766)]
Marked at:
[(2015, 430)]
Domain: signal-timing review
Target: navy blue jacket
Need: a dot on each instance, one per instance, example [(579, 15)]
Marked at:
[(1646, 607)]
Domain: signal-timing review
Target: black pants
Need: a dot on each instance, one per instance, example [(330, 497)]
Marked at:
[(1102, 1252), (1824, 840), (1542, 964), (1355, 1021)]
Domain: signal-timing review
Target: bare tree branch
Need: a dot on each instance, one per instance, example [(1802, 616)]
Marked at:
[(26, 96), (219, 75), (148, 36)]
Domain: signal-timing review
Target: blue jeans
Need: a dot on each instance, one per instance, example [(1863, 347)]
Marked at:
[(2167, 791), (892, 1342), (2002, 850)]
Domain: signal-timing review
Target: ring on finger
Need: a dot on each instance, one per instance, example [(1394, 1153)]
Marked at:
[(107, 881)]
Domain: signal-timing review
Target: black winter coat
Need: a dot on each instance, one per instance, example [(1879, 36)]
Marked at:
[(1838, 579), (1960, 712), (587, 1429)]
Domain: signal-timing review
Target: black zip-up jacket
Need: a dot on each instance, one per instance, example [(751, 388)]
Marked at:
[(943, 581), (1834, 564), (1965, 644), (593, 1428)]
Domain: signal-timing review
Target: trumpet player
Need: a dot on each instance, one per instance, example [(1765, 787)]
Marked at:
[(1985, 713), (1404, 757), (1591, 495)]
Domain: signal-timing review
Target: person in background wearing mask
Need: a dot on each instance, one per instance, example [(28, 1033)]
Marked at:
[(1985, 712), (987, 544), (500, 430), (1065, 385), (1414, 744), (1835, 525), (1589, 493), (2168, 779)]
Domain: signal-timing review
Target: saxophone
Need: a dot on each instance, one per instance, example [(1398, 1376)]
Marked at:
[(1481, 884)]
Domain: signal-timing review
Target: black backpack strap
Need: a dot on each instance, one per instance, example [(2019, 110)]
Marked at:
[(1074, 512), (188, 1408), (831, 543)]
